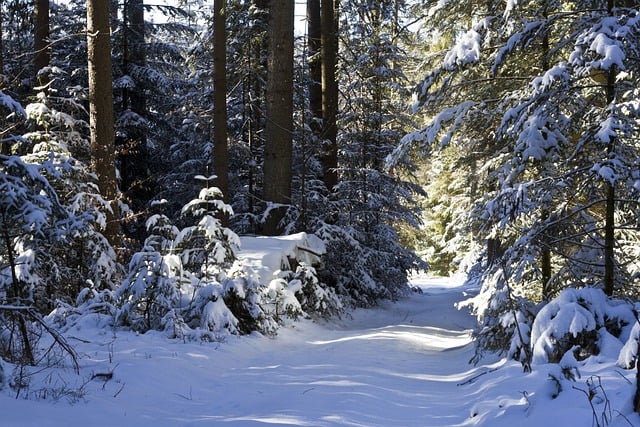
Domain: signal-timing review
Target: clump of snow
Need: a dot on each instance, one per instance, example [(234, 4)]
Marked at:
[(465, 51)]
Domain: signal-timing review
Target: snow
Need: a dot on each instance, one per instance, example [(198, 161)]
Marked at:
[(465, 51), (402, 364), (266, 256), (11, 104)]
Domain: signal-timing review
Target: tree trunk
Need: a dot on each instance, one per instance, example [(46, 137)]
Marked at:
[(42, 52), (314, 34), (4, 146), (545, 252), (609, 225), (636, 397), (135, 54), (132, 149), (329, 154), (220, 154), (279, 127), (101, 112), (1, 47)]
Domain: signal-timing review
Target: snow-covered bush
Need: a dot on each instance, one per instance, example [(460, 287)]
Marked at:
[(580, 321), (208, 314), (42, 249), (366, 266), (206, 247), (504, 319), (184, 283), (629, 352), (281, 299), (148, 293), (245, 298), (315, 298)]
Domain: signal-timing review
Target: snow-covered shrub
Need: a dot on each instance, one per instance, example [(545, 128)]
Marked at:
[(365, 267), (148, 293), (315, 298), (281, 299), (207, 247), (580, 321), (93, 307), (629, 352), (504, 319), (42, 252), (208, 315), (244, 297)]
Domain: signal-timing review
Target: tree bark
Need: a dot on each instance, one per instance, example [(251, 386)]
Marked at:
[(101, 112), (329, 154), (1, 48), (609, 225), (314, 34), (220, 153), (132, 150), (135, 54), (279, 127), (42, 51)]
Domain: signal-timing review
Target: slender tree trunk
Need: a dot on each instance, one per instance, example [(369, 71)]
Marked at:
[(42, 52), (545, 252), (4, 146), (132, 149), (1, 45), (609, 226), (314, 34), (220, 154), (279, 127), (101, 111), (27, 350), (135, 56), (329, 154)]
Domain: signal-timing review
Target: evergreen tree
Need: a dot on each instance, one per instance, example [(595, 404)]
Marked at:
[(558, 162)]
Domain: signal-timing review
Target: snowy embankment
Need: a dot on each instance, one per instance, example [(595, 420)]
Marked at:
[(403, 364)]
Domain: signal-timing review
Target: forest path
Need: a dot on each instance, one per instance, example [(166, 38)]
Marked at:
[(402, 364)]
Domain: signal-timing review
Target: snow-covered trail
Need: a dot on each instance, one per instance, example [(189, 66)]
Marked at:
[(403, 364), (400, 365)]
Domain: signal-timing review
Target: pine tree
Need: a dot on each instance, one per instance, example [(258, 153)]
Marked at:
[(558, 158)]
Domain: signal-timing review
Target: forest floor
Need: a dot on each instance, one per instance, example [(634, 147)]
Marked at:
[(402, 364)]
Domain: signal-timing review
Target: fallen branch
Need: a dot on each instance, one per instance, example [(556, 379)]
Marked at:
[(474, 378)]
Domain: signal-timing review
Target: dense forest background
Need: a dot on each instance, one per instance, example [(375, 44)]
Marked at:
[(499, 139)]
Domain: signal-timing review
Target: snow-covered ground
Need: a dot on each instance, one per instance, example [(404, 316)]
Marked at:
[(403, 364)]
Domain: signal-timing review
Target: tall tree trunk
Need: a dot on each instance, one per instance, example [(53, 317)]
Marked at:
[(135, 54), (132, 149), (545, 251), (329, 154), (278, 131), (4, 146), (1, 46), (609, 225), (314, 34), (101, 112), (220, 153), (42, 52)]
